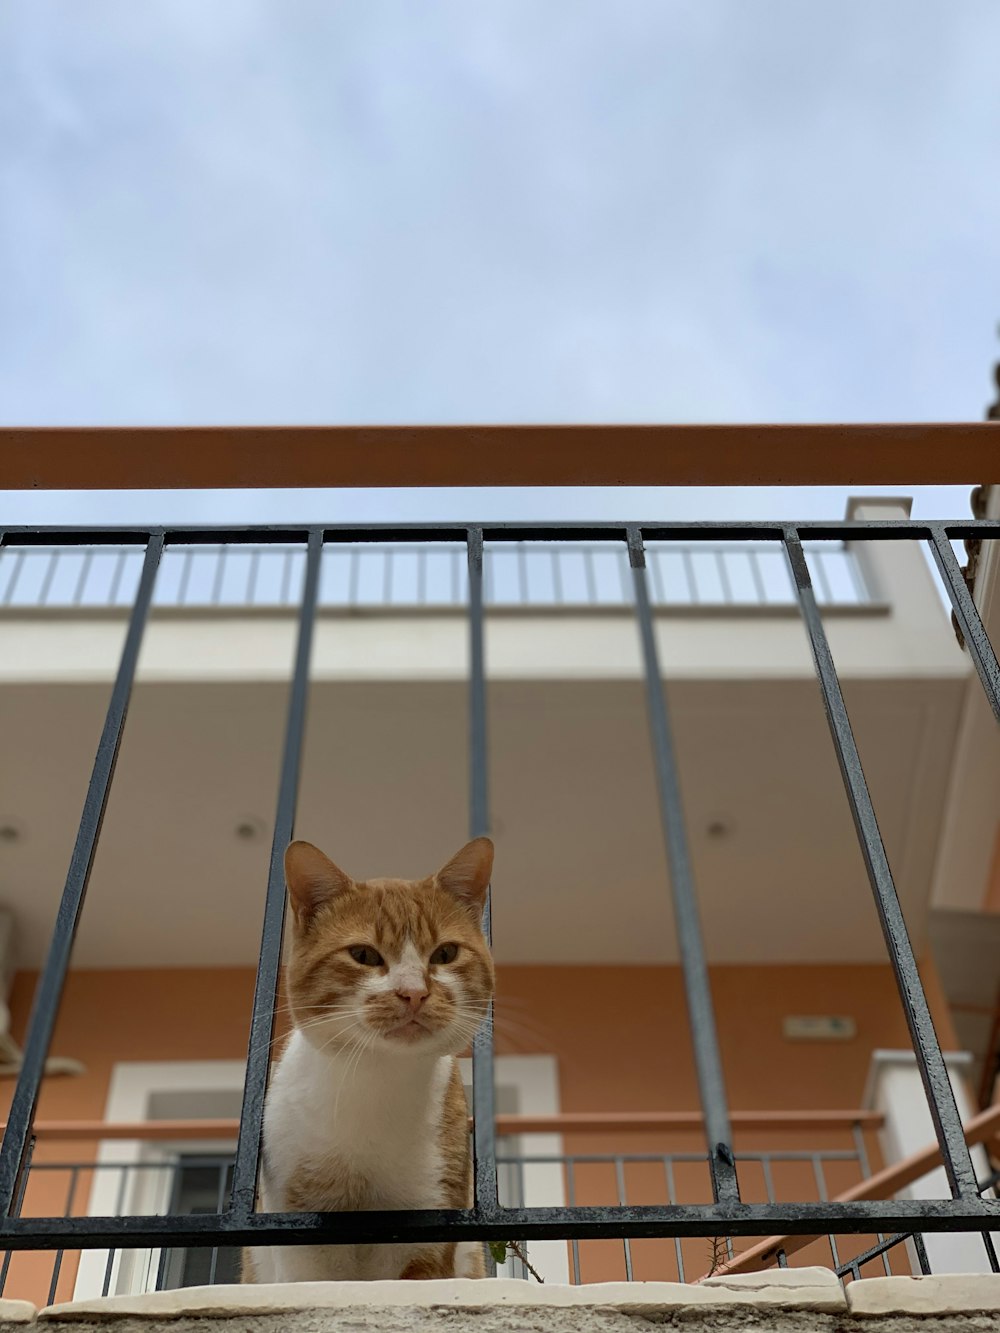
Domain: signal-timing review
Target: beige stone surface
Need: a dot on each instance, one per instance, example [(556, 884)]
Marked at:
[(16, 1312), (802, 1288), (947, 1294)]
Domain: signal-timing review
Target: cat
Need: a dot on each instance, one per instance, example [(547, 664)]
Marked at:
[(387, 982)]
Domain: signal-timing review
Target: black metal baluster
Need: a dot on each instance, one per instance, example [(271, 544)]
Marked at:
[(483, 1093), (704, 1039), (262, 1021), (18, 1204), (865, 1167), (937, 1086), (81, 581), (220, 1203), (74, 1177), (119, 1205), (969, 622), (48, 992), (622, 1200)]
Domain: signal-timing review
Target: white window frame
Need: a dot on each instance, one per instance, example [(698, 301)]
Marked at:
[(131, 1093)]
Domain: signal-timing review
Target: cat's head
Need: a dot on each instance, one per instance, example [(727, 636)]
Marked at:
[(389, 964)]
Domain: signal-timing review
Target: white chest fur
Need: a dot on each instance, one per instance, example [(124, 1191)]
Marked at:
[(366, 1135)]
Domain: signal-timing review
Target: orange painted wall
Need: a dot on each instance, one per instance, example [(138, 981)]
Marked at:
[(620, 1036)]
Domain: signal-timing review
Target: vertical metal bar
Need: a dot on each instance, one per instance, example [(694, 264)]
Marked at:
[(185, 579), (116, 577), (286, 578), (387, 556), (67, 1212), (220, 1201), (656, 569), (692, 582), (175, 1167), (668, 1169), (18, 1204), (820, 1177), (624, 570), (262, 1020), (705, 1043), (758, 578), (43, 592), (571, 1201), (15, 575), (588, 571), (921, 1252), (824, 582), (252, 577), (119, 1205), (81, 581), (421, 576), (220, 570), (861, 590), (937, 1086), (727, 592), (483, 1094), (865, 1167), (557, 586), (969, 621), (522, 573), (620, 1183), (991, 1252), (48, 992), (765, 1166)]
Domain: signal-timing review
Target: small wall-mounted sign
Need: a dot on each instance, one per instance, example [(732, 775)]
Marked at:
[(818, 1027)]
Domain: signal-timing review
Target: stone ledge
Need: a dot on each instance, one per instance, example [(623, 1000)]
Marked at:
[(812, 1289), (948, 1294), (16, 1312)]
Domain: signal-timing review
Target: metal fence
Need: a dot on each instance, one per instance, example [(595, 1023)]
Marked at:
[(378, 576), (235, 1222), (198, 1182)]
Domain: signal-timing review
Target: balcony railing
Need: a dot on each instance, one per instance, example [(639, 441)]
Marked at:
[(818, 1147), (732, 1212), (406, 576)]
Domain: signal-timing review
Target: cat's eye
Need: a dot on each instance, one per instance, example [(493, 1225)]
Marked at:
[(445, 953), (366, 955)]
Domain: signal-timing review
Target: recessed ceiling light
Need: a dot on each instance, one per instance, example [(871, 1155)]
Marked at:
[(719, 827), (249, 828)]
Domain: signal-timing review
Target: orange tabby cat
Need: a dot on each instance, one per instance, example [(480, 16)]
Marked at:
[(387, 980)]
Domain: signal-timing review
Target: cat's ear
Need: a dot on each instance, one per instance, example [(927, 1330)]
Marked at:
[(467, 875), (313, 880)]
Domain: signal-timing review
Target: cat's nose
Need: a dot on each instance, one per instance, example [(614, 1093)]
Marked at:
[(414, 996)]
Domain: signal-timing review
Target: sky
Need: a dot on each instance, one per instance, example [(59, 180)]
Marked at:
[(495, 210)]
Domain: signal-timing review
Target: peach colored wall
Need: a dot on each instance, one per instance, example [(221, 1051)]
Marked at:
[(619, 1034)]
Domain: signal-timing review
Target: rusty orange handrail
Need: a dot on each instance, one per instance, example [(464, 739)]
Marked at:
[(156, 458)]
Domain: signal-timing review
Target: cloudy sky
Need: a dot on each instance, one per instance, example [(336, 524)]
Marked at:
[(495, 210)]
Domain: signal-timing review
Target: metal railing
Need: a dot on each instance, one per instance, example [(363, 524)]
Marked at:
[(176, 1170), (729, 1214), (374, 576), (173, 1179)]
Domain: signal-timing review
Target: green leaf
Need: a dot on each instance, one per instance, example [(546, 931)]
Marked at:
[(498, 1249)]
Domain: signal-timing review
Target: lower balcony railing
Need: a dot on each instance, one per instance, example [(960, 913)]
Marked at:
[(154, 1169)]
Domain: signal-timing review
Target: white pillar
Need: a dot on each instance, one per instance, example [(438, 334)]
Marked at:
[(895, 1089)]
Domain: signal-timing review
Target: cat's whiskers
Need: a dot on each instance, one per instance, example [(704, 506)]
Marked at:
[(362, 1044), (326, 1014)]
